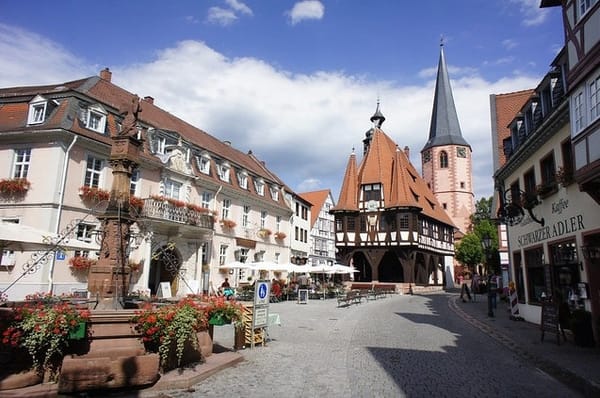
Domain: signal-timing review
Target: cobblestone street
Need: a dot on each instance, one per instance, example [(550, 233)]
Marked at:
[(399, 346)]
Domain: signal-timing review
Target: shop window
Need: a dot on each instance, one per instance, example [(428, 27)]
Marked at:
[(536, 282)]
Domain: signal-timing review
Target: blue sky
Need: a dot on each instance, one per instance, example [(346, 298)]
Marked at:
[(294, 81)]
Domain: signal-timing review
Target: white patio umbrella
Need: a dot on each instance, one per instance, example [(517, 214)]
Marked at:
[(21, 237), (343, 269)]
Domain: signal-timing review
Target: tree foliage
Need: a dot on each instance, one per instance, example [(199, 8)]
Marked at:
[(469, 251)]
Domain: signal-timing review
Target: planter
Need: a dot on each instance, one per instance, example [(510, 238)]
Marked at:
[(218, 320), (79, 332)]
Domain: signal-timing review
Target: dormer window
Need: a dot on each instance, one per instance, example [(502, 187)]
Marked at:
[(37, 110), (95, 118), (161, 144), (223, 171), (204, 163), (242, 178), (274, 192), (259, 185)]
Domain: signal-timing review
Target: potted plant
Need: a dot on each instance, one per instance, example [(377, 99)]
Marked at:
[(172, 330), (222, 311), (43, 329), (93, 194), (564, 176), (14, 186), (80, 263), (280, 235), (264, 232), (136, 203), (229, 224)]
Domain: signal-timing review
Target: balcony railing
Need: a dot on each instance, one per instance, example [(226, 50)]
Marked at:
[(164, 210)]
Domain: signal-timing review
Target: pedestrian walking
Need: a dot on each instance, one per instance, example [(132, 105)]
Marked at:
[(492, 290)]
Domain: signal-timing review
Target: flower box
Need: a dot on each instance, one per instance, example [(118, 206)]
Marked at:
[(78, 333), (14, 186), (264, 233), (280, 235), (93, 194), (218, 320), (80, 263), (229, 224)]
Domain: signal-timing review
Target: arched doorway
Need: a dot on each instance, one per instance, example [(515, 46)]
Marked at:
[(360, 263), (164, 267), (390, 268)]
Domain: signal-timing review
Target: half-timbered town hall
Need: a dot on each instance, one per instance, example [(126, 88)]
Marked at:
[(388, 223)]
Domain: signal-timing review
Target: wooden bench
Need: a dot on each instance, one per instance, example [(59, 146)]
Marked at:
[(351, 297), (364, 289), (383, 289)]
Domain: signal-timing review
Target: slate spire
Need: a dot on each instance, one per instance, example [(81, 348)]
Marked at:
[(444, 128)]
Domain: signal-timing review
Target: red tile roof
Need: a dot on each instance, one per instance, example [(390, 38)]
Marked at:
[(317, 199), (402, 185)]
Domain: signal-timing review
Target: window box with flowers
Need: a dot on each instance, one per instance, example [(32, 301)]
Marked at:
[(264, 233), (93, 194), (228, 224), (280, 235), (564, 176), (529, 200), (544, 190), (44, 329), (14, 186), (80, 263), (172, 331), (136, 203)]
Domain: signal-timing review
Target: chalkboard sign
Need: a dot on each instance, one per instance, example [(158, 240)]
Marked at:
[(302, 296), (550, 320)]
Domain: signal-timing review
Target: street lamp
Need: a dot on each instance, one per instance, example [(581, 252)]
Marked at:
[(486, 242)]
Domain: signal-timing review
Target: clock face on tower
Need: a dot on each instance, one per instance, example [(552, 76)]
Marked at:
[(372, 205), (461, 152)]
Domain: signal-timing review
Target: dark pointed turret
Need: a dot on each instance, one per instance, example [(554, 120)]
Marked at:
[(377, 119), (444, 129)]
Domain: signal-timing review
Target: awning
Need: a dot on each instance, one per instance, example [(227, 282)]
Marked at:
[(21, 237)]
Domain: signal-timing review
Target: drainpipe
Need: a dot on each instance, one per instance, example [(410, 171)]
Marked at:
[(59, 210)]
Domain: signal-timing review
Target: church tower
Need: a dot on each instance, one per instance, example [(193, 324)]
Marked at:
[(446, 161)]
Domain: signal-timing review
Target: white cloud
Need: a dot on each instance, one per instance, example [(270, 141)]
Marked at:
[(221, 16), (509, 44), (303, 126), (239, 6), (533, 15), (228, 15), (307, 9)]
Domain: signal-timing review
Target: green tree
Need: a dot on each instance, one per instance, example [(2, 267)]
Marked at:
[(469, 250)]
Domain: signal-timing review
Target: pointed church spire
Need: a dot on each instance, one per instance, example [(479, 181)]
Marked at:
[(444, 128), (348, 199)]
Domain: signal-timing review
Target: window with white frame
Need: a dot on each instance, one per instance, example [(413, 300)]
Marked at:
[(84, 232), (21, 162), (226, 209), (584, 7), (172, 189), (8, 256), (135, 182), (93, 171), (96, 119), (274, 192), (245, 216), (37, 110), (222, 254), (161, 144), (259, 186), (206, 199), (594, 89), (578, 104), (205, 254), (263, 218), (204, 163), (224, 169), (242, 178), (243, 255)]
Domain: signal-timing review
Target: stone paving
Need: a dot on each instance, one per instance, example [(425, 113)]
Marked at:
[(399, 346)]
